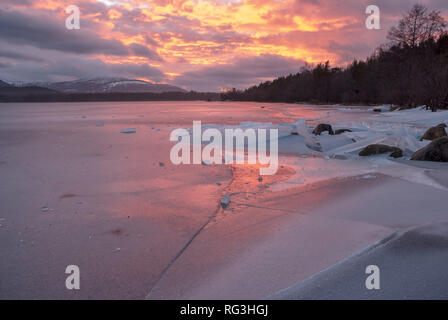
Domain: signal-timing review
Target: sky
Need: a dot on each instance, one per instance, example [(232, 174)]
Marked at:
[(203, 45)]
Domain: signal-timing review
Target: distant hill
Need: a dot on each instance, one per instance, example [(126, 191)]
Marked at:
[(32, 93), (3, 84), (12, 92), (104, 85), (104, 89)]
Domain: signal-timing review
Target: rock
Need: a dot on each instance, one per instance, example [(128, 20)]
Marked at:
[(435, 151), (322, 128), (225, 201), (373, 149), (339, 131), (381, 109), (435, 132), (129, 130)]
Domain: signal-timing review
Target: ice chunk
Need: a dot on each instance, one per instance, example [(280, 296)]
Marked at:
[(129, 130), (225, 201), (310, 141)]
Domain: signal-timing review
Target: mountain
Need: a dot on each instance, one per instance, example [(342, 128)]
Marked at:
[(97, 90), (3, 84), (12, 93), (104, 85)]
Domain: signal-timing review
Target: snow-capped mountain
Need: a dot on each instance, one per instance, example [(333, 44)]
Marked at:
[(3, 84), (103, 85)]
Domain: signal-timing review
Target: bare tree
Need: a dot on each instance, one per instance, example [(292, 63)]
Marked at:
[(417, 26), (435, 25)]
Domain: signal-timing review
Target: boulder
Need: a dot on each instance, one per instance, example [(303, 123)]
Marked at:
[(373, 149), (435, 151), (339, 131), (322, 128), (435, 132), (382, 109)]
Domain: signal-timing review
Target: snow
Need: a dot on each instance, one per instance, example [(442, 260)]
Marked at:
[(267, 241), (319, 158), (339, 156), (124, 83)]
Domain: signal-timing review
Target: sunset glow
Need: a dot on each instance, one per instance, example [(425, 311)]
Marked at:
[(195, 44)]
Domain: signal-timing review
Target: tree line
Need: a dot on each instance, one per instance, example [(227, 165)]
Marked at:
[(36, 94), (410, 70)]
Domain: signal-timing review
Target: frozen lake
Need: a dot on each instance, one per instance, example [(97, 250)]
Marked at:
[(77, 191)]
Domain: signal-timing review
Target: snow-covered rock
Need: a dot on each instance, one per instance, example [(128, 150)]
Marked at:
[(434, 133)]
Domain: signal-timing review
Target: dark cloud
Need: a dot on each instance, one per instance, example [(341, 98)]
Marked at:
[(142, 51), (241, 74), (20, 2), (75, 67), (16, 55), (150, 41), (44, 31)]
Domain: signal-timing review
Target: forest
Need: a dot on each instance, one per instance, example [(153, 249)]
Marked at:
[(37, 94)]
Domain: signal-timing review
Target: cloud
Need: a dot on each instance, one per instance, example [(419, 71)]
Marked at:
[(143, 51), (44, 31), (347, 52), (17, 55), (75, 67), (242, 73), (201, 45)]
